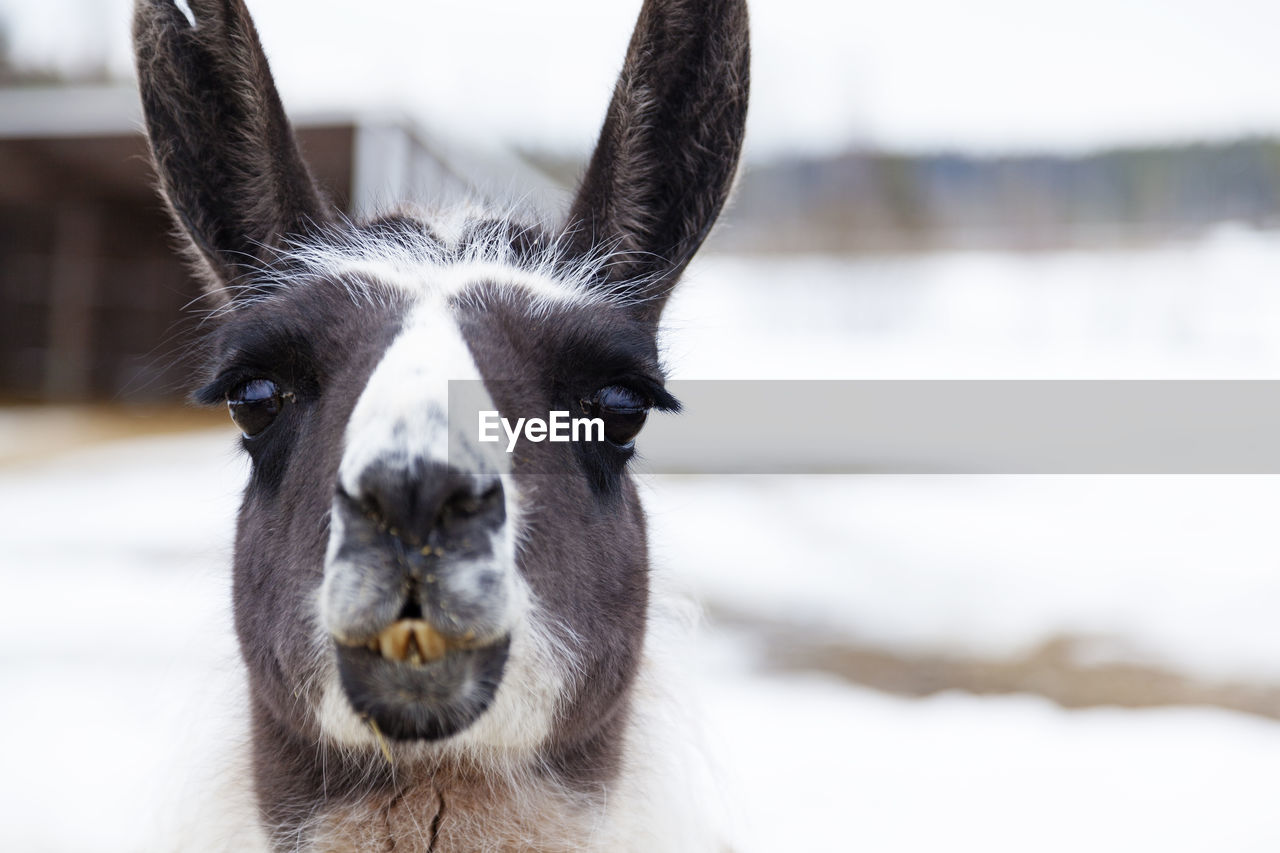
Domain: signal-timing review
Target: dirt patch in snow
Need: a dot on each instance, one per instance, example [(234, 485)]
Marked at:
[(1062, 669)]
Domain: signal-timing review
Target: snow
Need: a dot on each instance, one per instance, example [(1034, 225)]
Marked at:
[(1197, 310), (820, 766), (118, 655), (114, 602), (1180, 572), (1172, 570)]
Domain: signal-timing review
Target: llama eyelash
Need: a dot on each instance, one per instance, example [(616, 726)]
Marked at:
[(445, 650)]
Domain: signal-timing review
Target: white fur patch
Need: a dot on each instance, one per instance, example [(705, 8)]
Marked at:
[(403, 412), (185, 9), (668, 796)]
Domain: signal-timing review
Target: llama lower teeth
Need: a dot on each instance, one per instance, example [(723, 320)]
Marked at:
[(394, 640), (410, 639), (431, 645)]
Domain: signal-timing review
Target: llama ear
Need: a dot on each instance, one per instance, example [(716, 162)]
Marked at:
[(228, 163), (668, 152)]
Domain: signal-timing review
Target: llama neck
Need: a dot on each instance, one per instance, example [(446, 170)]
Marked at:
[(324, 800), (459, 819)]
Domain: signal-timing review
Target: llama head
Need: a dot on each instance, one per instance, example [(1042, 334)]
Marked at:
[(387, 571)]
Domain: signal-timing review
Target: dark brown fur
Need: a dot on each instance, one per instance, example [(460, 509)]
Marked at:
[(225, 153), (672, 132)]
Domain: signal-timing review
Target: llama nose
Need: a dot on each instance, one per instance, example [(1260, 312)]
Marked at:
[(429, 503), (421, 542)]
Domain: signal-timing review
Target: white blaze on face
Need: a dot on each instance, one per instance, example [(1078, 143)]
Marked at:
[(403, 413)]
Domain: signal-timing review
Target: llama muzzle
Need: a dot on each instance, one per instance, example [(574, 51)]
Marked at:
[(418, 597)]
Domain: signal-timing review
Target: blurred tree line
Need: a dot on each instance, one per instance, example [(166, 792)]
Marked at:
[(879, 201), (15, 74)]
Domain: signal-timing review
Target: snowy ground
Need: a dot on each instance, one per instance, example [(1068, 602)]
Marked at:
[(113, 615), (1180, 572), (1173, 570), (113, 596), (1203, 310)]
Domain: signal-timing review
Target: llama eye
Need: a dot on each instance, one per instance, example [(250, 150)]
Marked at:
[(623, 411), (254, 405)]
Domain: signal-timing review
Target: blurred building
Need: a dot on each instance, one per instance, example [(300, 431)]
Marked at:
[(94, 300)]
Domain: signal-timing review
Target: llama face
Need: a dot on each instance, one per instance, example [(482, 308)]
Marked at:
[(428, 614), (392, 576)]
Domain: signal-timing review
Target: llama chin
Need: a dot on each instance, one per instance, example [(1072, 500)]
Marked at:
[(445, 647)]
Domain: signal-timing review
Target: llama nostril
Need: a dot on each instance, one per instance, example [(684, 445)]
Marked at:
[(412, 608), (366, 505), (371, 509), (464, 506), (424, 504)]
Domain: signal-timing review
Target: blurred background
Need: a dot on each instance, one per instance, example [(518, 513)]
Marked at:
[(931, 190)]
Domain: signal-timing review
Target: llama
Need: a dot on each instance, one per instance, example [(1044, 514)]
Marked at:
[(444, 650)]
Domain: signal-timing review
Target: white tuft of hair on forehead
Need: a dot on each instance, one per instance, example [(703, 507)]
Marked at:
[(452, 262)]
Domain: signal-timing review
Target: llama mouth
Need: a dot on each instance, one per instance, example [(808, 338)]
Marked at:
[(416, 642), (418, 684)]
